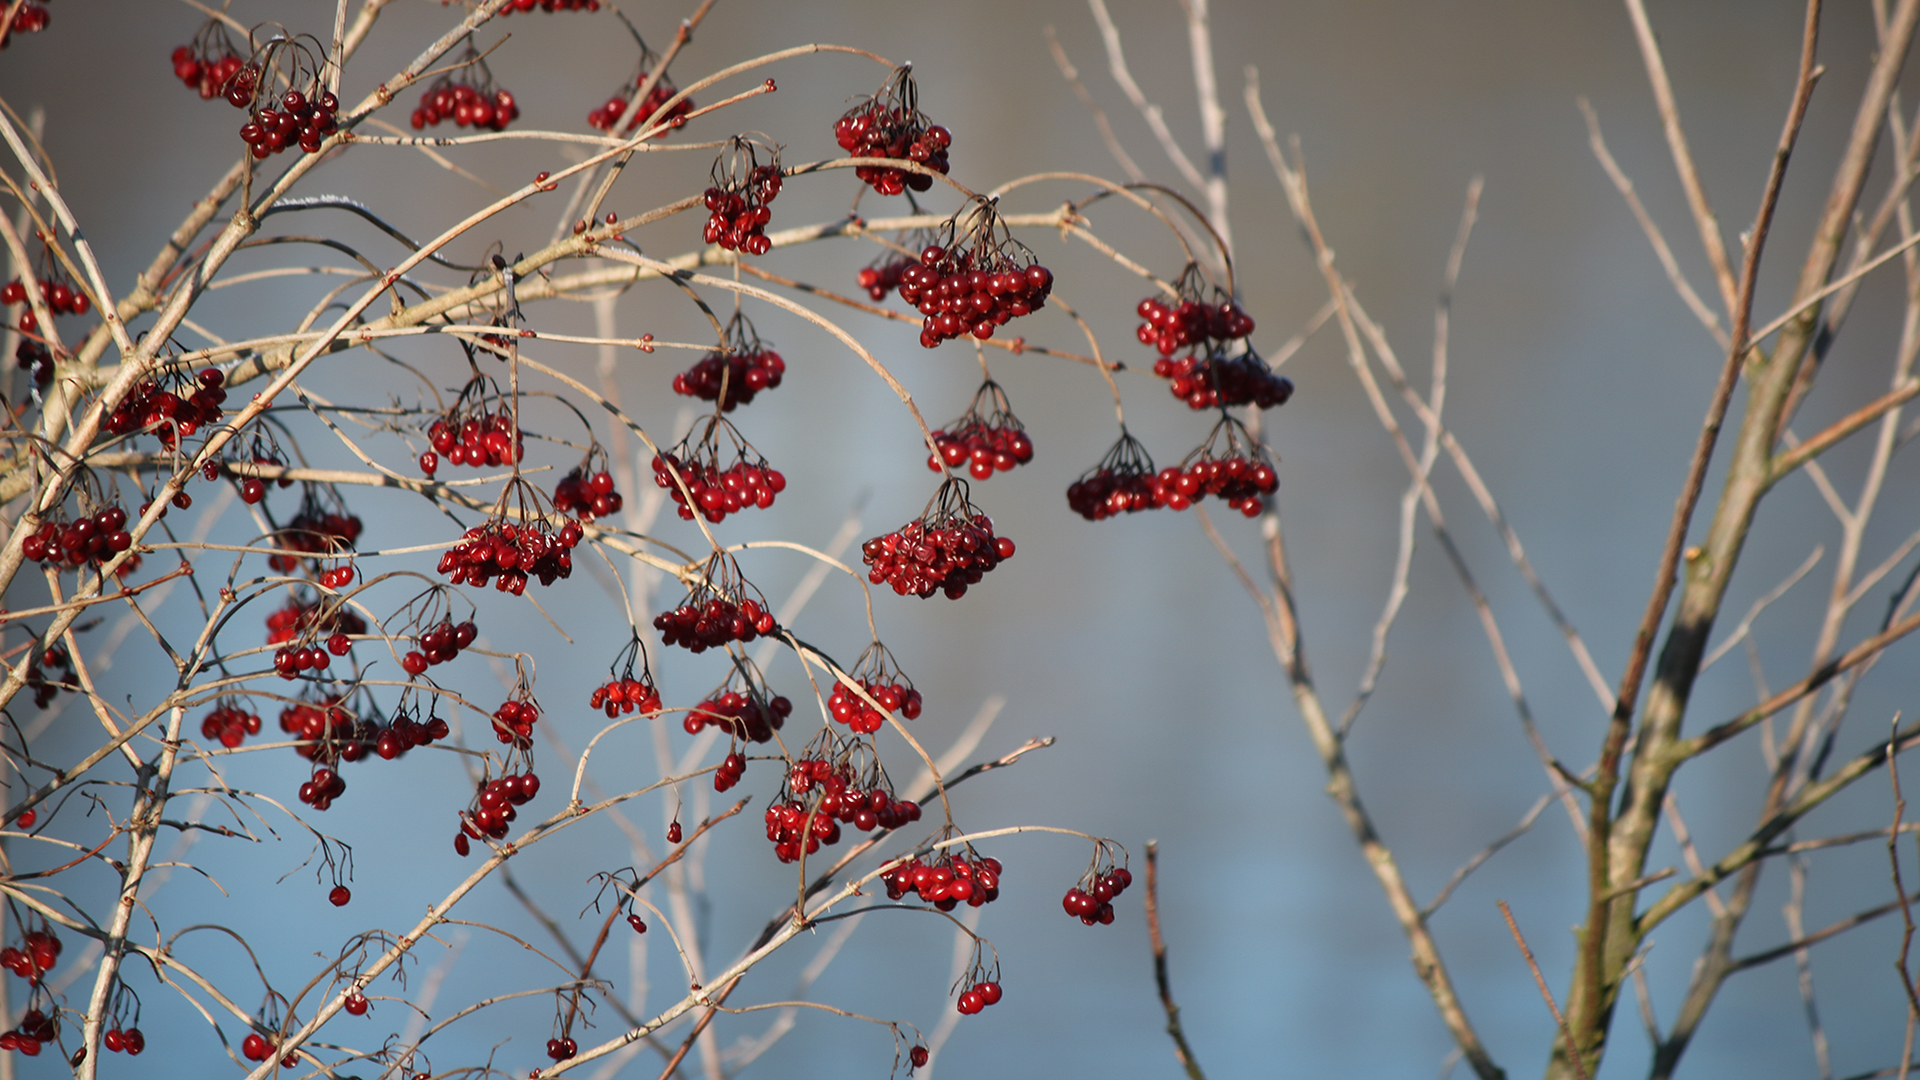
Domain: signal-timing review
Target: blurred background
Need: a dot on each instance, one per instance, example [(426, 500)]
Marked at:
[(1578, 380)]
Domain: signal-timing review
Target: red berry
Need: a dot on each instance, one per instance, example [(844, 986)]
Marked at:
[(339, 896)]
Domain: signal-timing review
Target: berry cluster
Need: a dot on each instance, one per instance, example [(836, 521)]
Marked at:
[(977, 285), (730, 771), (467, 97), (977, 996), (438, 645), (884, 275), (36, 954), (30, 19), (606, 116), (1091, 901), (737, 201), (950, 547), (165, 412), (327, 730), (622, 692), (716, 492), (308, 619), (1217, 380), (318, 530), (987, 439), (300, 120), (547, 5), (1239, 481), (324, 786), (1124, 482), (478, 438), (493, 808), (127, 1039), (257, 1047), (881, 679), (513, 721), (788, 827), (890, 125), (229, 724), (946, 881), (405, 733), (733, 375), (1189, 322), (62, 297), (510, 555), (717, 610), (587, 495), (562, 1049), (208, 61), (750, 716), (36, 1029), (91, 538)]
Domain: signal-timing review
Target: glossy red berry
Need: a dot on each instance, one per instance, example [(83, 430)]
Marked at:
[(339, 896)]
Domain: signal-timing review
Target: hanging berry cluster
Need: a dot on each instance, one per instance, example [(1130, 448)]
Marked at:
[(156, 405), (729, 771), (477, 430), (323, 527), (494, 808), (547, 5), (739, 197), (61, 295), (1190, 322), (36, 954), (1217, 380), (510, 553), (467, 97), (513, 721), (30, 18), (750, 716), (438, 645), (950, 547), (880, 677), (307, 619), (889, 124), (1091, 901), (91, 538), (693, 469), (1239, 472), (606, 116), (947, 881), (229, 724), (307, 110), (622, 693), (978, 995), (1124, 482), (988, 438), (406, 733), (976, 283), (206, 63), (831, 784), (36, 1030), (588, 492), (737, 372), (717, 610)]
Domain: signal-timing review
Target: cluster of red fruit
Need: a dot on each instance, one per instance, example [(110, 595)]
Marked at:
[(1216, 381), (257, 1048), (466, 104), (946, 550), (328, 731), (625, 695), (946, 882), (890, 125), (493, 808), (850, 709), (730, 771), (299, 121), (481, 439), (1189, 323), (1091, 901), (987, 439), (152, 405), (701, 624), (92, 538), (739, 374), (62, 299), (865, 808), (741, 716), (36, 1029), (324, 786), (208, 63), (604, 117), (512, 553), (316, 531), (717, 492), (513, 721), (405, 733), (127, 1039), (562, 1049), (884, 276), (31, 18), (438, 645), (738, 212), (978, 996), (36, 954), (298, 617), (229, 724), (587, 495), (961, 292)]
